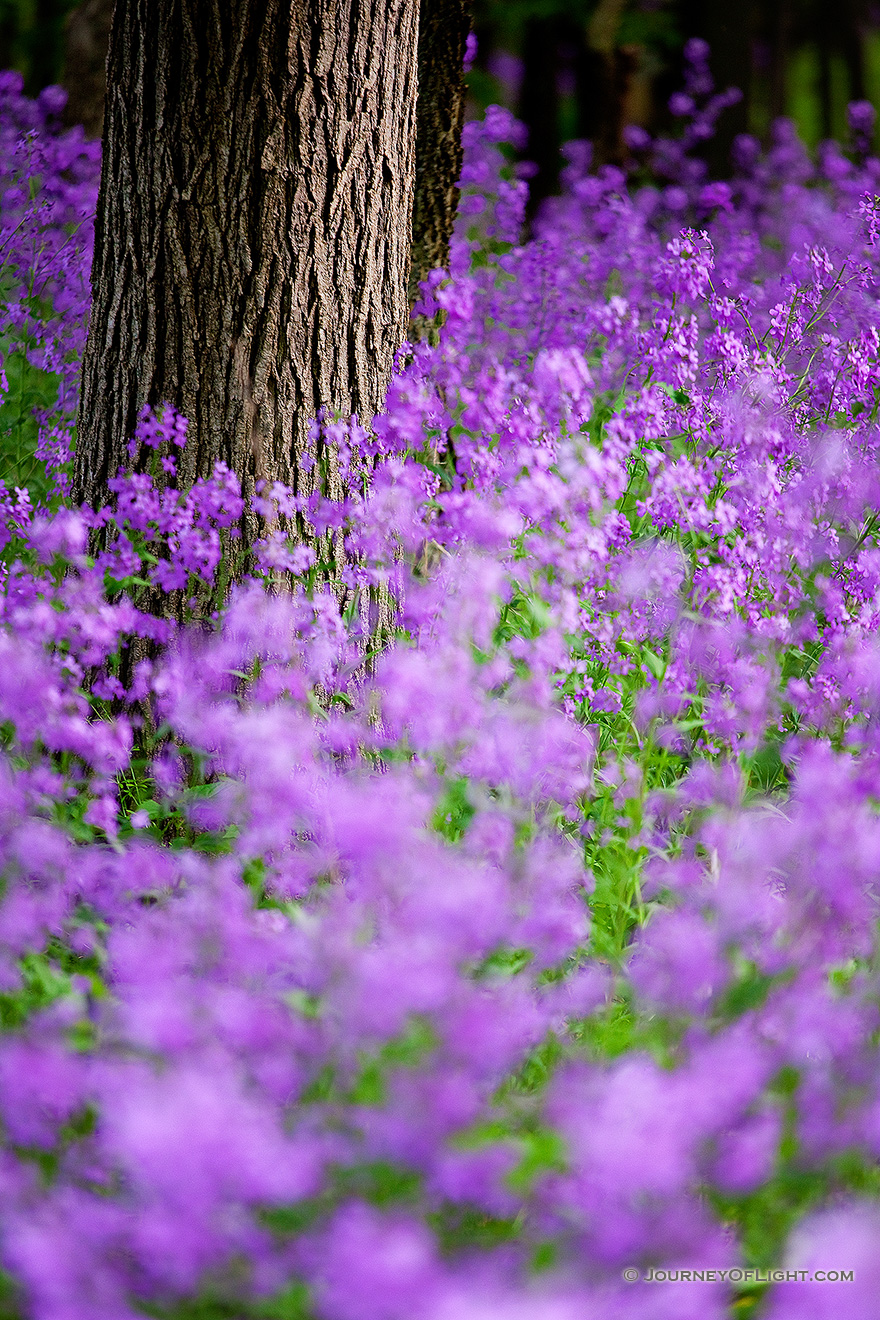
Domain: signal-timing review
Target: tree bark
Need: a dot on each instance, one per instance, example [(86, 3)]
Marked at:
[(86, 37), (253, 231), (443, 30)]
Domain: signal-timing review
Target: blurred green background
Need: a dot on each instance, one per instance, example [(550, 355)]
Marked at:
[(569, 68), (32, 39), (587, 68), (802, 58)]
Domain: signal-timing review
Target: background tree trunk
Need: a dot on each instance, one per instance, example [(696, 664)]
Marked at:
[(443, 31), (8, 33), (253, 230), (539, 106), (779, 14), (86, 38)]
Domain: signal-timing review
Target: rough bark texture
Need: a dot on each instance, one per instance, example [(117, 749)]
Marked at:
[(443, 30), (253, 229), (86, 37)]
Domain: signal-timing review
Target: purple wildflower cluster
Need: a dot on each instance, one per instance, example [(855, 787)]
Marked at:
[(547, 949), (48, 182)]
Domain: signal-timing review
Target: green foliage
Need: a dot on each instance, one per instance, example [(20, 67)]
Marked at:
[(293, 1303), (32, 392), (32, 39)]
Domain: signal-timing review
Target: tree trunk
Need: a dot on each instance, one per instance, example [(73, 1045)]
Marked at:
[(443, 30), (780, 16), (539, 107), (253, 231), (608, 68), (850, 25), (825, 42), (87, 34)]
